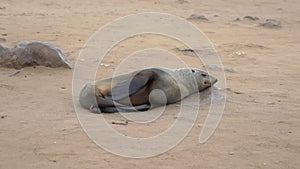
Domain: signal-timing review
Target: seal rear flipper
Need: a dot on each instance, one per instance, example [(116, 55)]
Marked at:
[(131, 86)]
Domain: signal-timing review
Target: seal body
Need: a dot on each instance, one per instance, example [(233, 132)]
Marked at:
[(143, 89)]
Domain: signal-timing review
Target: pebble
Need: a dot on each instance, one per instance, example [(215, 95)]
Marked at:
[(105, 65), (119, 122), (239, 53), (231, 153)]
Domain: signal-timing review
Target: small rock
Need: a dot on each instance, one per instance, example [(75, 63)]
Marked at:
[(3, 116), (237, 92), (15, 73), (189, 52), (280, 9), (196, 52), (237, 19), (215, 67), (63, 87), (231, 153), (253, 18), (198, 16), (4, 34), (200, 125), (271, 23), (232, 90), (183, 1)]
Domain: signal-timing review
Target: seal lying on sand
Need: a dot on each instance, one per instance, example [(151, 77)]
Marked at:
[(143, 89)]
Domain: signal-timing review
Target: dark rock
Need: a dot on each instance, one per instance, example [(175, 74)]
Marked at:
[(6, 58), (40, 53), (198, 16), (196, 52), (2, 39), (237, 19), (33, 54), (253, 18)]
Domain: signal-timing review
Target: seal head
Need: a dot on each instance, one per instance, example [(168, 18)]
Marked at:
[(87, 97), (203, 79)]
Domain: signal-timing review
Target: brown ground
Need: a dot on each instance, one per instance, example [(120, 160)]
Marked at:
[(38, 125)]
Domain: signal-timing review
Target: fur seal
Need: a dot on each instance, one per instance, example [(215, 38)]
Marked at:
[(143, 89)]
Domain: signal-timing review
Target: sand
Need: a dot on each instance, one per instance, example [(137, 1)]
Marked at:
[(261, 122)]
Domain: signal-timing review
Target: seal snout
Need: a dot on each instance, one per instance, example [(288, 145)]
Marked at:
[(210, 81), (207, 83)]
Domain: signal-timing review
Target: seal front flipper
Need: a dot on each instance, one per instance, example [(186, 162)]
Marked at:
[(126, 109), (129, 87)]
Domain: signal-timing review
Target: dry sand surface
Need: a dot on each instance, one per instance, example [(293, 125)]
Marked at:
[(261, 122)]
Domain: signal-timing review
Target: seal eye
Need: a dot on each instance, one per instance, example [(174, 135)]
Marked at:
[(193, 70), (204, 75)]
